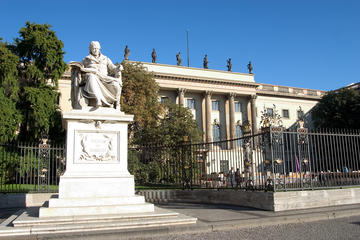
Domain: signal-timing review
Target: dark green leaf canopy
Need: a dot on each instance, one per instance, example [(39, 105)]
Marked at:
[(29, 71), (338, 109), (40, 53), (10, 117)]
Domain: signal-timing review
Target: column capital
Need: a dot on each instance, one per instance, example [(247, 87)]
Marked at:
[(181, 90), (207, 93), (232, 95), (253, 97)]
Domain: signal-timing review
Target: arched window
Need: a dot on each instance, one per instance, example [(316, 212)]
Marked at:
[(239, 135)]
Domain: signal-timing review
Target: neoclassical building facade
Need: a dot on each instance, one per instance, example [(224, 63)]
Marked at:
[(221, 101)]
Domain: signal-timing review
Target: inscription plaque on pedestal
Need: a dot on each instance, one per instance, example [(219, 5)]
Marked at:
[(96, 147)]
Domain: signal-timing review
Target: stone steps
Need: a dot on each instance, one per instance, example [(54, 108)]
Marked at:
[(95, 210), (28, 224), (82, 202)]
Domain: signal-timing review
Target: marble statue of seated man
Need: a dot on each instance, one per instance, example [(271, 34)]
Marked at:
[(96, 79)]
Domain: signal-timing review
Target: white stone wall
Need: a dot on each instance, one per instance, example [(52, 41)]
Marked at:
[(197, 112), (283, 103), (172, 95), (65, 95)]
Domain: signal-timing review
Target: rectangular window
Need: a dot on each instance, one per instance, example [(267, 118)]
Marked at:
[(285, 113), (190, 103), (164, 100), (237, 107), (216, 133), (239, 135), (215, 105), (270, 112)]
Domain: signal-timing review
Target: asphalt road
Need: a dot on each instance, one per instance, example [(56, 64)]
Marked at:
[(338, 229)]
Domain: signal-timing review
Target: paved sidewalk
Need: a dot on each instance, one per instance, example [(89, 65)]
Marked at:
[(213, 218), (221, 217)]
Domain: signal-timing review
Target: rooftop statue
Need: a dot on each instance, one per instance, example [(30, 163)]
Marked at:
[(301, 117), (229, 64), (178, 59), (250, 68), (126, 53), (206, 62), (153, 56), (96, 80)]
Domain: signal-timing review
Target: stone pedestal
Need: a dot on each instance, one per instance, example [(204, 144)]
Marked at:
[(96, 180)]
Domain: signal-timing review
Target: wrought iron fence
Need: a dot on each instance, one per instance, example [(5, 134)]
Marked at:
[(29, 167), (237, 163), (271, 160), (318, 159)]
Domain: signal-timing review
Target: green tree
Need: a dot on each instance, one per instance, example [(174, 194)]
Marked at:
[(140, 97), (177, 124), (10, 117), (41, 65), (39, 109), (338, 109), (40, 53), (154, 123)]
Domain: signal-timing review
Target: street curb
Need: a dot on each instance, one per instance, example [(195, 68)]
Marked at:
[(287, 219)]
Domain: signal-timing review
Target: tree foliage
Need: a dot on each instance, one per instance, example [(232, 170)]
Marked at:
[(38, 106), (29, 71), (40, 53), (140, 97), (154, 123), (41, 63), (176, 125), (8, 72), (9, 116), (338, 109)]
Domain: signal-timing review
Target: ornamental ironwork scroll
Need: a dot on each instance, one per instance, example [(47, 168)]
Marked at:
[(248, 163), (303, 158), (43, 166)]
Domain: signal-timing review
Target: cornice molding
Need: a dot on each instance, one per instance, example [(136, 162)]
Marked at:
[(287, 95), (205, 80)]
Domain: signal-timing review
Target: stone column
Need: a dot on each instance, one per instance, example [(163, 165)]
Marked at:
[(203, 117), (253, 113), (181, 93), (232, 115), (232, 118), (209, 136)]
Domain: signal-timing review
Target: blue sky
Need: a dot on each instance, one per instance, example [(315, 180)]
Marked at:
[(312, 44)]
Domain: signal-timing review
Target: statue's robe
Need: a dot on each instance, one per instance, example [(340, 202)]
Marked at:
[(101, 86)]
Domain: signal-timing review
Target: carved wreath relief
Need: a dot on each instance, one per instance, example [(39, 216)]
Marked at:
[(97, 147)]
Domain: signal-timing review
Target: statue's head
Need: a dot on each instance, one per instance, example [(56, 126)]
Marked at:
[(94, 48)]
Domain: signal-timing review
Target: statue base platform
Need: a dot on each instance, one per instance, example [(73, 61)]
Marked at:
[(96, 180)]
